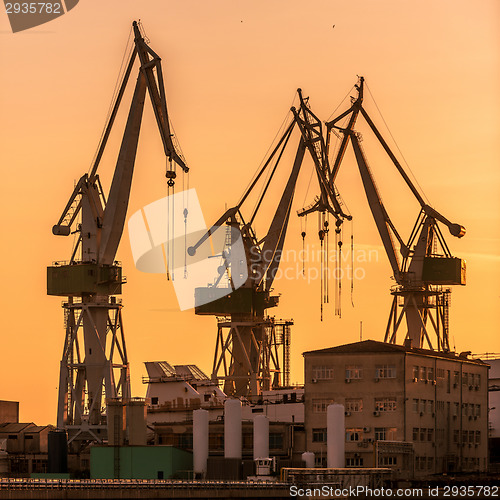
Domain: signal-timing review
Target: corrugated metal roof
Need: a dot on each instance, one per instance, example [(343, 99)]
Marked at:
[(190, 371), (37, 429), (14, 427)]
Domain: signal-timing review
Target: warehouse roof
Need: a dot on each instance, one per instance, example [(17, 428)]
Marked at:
[(374, 346)]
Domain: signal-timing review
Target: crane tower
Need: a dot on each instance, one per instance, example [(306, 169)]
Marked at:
[(94, 365)]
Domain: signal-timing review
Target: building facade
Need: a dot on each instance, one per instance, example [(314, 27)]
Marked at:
[(417, 411)]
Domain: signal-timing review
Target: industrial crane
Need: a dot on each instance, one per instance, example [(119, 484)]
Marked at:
[(423, 266), (94, 347), (247, 354)]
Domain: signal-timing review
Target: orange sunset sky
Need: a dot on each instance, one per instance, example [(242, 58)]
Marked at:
[(231, 71)]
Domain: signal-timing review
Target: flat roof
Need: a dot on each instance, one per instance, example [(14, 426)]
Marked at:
[(374, 346)]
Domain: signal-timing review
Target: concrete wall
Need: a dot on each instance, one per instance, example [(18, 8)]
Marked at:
[(9, 412)]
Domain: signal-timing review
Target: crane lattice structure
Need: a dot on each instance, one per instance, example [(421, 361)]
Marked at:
[(246, 357), (423, 267), (94, 365)]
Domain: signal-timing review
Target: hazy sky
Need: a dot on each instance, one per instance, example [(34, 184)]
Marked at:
[(231, 70)]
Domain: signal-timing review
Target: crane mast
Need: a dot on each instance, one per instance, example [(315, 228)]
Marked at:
[(94, 365), (246, 355), (421, 273)]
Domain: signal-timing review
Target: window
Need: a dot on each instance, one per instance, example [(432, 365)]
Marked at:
[(415, 433), (456, 378), (354, 462), (388, 460), (465, 408), (322, 372), (216, 441), (430, 434), (385, 433), (477, 380), (28, 436), (465, 378), (154, 401), (422, 434), (12, 436), (448, 381), (471, 379), (353, 372), (353, 434), (423, 402), (455, 409), (430, 406), (430, 463), (478, 411), (430, 373), (456, 436), (478, 437), (319, 435), (353, 404), (415, 406), (415, 372), (275, 440), (471, 437), (185, 441), (385, 404), (423, 373), (385, 371), (320, 461), (320, 405)]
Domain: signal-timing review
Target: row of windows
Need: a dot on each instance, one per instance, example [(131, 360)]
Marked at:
[(423, 406), (355, 404), (352, 372), (380, 433), (471, 437), (423, 434), (424, 463), (426, 373), (216, 440), (357, 434)]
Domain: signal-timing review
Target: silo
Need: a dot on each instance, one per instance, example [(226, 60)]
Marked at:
[(335, 418), (116, 422), (232, 428), (136, 421), (57, 443), (308, 458), (200, 441), (260, 437)]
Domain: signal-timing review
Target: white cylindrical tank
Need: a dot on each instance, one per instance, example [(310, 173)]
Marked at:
[(335, 443), (232, 428), (308, 458), (260, 437), (200, 441)]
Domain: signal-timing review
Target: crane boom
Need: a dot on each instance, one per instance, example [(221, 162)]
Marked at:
[(422, 272), (94, 347)]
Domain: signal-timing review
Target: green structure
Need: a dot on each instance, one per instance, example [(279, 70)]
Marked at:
[(140, 462)]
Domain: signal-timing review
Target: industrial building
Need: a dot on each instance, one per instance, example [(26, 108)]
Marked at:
[(418, 411), (23, 445)]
